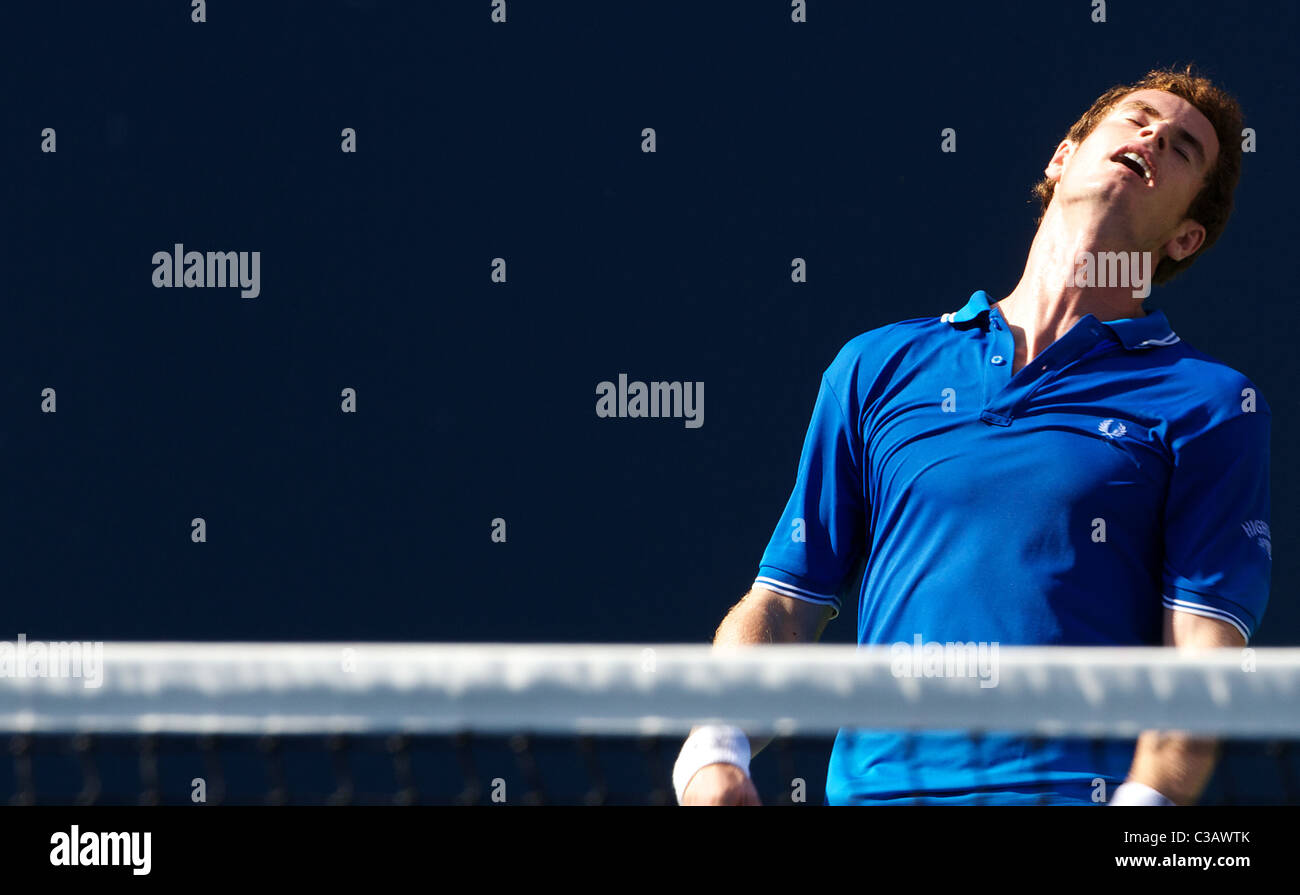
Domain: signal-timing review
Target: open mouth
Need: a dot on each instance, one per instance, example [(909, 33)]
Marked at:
[(1136, 164)]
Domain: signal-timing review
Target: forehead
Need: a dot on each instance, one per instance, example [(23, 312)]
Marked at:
[(1178, 111)]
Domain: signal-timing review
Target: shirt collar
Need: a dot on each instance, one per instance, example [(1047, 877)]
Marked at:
[(978, 304), (1151, 331)]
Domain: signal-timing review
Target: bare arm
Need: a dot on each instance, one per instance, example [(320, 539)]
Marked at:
[(1175, 765), (764, 616), (761, 617)]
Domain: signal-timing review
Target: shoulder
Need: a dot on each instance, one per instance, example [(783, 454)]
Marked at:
[(1205, 394), (1209, 385), (879, 350), (885, 348)]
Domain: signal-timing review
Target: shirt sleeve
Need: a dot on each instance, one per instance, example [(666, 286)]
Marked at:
[(1218, 549), (821, 534)]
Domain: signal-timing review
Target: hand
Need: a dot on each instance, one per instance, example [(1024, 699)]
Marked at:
[(720, 784)]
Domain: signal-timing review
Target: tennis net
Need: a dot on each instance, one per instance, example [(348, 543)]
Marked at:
[(586, 724)]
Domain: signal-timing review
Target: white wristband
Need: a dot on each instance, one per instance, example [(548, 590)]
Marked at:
[(710, 745), (1133, 793)]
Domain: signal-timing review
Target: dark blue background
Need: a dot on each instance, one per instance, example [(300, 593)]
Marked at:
[(476, 399)]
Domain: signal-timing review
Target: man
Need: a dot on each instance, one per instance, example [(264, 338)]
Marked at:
[(1054, 468)]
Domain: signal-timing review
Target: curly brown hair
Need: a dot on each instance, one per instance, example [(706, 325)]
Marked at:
[(1213, 204)]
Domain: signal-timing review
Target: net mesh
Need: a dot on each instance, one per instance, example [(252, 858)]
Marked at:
[(593, 725)]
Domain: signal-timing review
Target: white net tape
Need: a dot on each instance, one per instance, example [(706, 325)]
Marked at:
[(268, 688)]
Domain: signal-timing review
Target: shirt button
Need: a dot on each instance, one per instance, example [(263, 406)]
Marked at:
[(996, 359)]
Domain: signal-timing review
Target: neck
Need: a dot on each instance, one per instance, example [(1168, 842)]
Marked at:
[(1049, 299)]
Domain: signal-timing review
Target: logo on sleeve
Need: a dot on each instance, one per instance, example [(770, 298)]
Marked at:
[(1111, 428), (1258, 529)]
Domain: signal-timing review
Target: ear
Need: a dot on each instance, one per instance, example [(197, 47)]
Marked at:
[(1186, 240), (1057, 164)]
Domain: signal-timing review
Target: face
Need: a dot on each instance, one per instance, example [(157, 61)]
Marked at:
[(1146, 160)]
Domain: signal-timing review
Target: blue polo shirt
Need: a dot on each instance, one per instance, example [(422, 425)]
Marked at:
[(1119, 472)]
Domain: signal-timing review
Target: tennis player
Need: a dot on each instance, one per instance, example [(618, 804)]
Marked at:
[(1056, 467)]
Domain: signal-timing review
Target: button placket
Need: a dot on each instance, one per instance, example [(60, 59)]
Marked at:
[(997, 368)]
